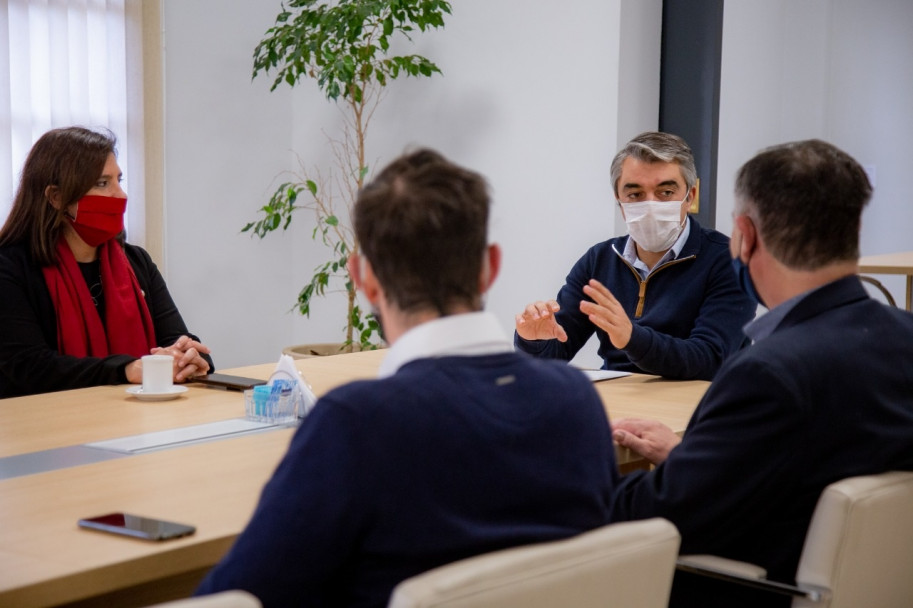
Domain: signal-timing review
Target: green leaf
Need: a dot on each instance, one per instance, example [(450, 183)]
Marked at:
[(345, 48), (333, 43)]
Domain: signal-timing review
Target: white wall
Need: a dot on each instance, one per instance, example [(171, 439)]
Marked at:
[(530, 98), (838, 70), (538, 101)]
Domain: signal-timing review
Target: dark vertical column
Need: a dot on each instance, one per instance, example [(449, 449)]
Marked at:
[(689, 100)]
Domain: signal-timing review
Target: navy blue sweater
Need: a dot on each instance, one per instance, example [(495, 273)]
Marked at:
[(688, 313), (448, 458)]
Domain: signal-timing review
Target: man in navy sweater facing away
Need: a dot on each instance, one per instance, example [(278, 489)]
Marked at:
[(825, 391), (662, 300), (461, 447)]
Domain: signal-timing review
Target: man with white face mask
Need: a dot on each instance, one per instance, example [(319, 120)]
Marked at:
[(662, 300)]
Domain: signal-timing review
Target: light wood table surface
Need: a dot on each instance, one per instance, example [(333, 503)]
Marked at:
[(891, 263), (46, 560)]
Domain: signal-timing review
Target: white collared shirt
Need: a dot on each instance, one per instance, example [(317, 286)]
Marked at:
[(468, 334), (630, 252)]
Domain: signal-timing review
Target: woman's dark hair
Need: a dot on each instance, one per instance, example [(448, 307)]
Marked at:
[(71, 160)]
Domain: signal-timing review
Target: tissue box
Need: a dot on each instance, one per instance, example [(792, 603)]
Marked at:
[(276, 403)]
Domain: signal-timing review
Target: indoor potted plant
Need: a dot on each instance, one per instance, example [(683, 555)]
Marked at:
[(345, 46)]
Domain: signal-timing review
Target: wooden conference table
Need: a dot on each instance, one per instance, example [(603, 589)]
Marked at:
[(46, 560), (891, 263)]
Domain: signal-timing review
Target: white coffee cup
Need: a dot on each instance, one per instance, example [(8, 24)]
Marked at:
[(157, 373)]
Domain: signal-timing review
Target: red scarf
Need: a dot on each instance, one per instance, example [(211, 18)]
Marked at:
[(80, 331)]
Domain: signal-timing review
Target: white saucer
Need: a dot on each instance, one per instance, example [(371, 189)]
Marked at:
[(172, 393)]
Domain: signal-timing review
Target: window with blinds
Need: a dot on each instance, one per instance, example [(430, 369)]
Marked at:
[(71, 62)]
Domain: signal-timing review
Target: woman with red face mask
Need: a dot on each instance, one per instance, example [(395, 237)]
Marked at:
[(79, 307)]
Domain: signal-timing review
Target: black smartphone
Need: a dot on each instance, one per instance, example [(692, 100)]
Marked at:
[(136, 526), (234, 383)]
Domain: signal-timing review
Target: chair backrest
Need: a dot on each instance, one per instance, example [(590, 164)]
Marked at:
[(878, 288), (860, 542), (624, 564), (225, 599)]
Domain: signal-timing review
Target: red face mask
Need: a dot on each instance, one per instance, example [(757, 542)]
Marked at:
[(98, 218)]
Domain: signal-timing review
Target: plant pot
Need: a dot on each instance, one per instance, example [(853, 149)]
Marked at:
[(318, 349)]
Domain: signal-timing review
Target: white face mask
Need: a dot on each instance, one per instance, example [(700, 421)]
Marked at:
[(654, 225)]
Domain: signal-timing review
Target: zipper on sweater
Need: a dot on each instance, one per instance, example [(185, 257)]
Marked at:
[(642, 283)]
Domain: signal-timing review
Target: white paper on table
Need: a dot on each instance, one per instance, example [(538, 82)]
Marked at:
[(169, 438), (595, 375)]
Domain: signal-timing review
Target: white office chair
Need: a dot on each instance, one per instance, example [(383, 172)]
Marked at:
[(625, 564), (858, 551), (225, 599)]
